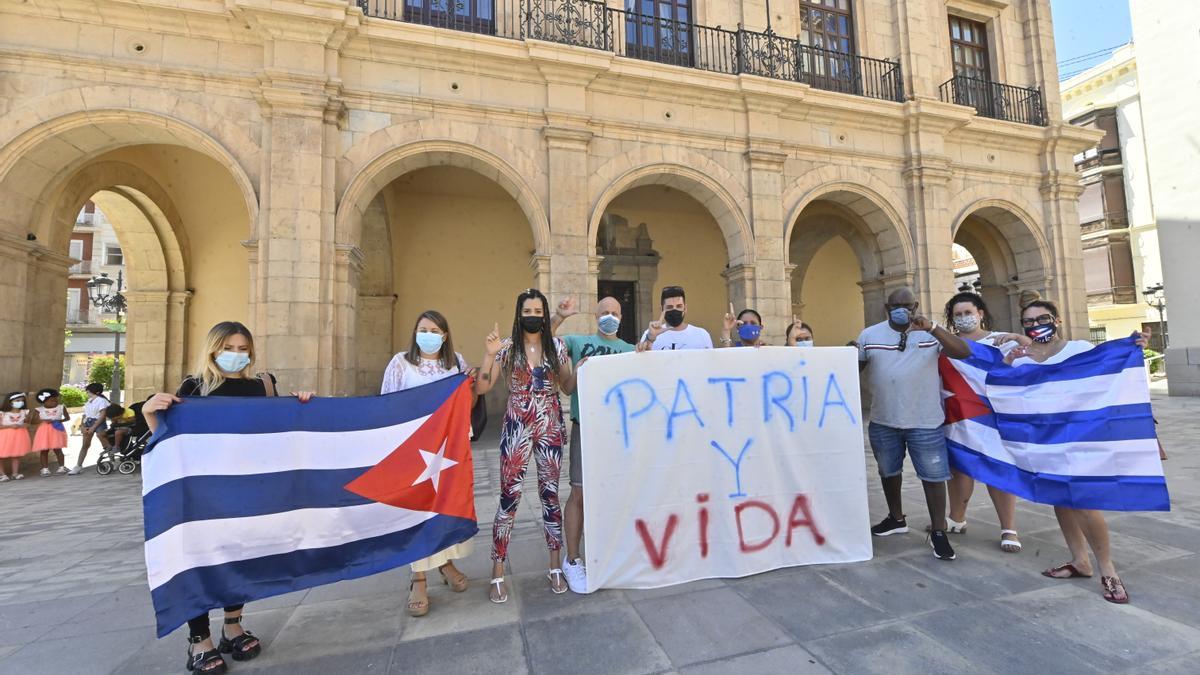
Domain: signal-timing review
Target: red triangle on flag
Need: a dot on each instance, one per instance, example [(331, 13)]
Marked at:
[(432, 469), (964, 402)]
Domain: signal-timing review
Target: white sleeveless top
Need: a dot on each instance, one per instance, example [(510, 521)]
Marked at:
[(50, 414), (14, 417)]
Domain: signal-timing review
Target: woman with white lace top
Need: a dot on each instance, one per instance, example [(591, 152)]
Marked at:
[(431, 357)]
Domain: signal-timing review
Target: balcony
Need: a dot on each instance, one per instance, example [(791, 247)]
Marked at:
[(594, 25), (81, 267), (997, 101)]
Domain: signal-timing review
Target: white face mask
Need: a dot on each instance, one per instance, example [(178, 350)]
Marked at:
[(804, 343), (966, 323), (18, 405)]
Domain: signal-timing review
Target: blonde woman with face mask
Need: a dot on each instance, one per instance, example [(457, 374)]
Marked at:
[(225, 369)]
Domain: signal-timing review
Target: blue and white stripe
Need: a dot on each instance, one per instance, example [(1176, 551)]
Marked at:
[(244, 498), (1079, 433)]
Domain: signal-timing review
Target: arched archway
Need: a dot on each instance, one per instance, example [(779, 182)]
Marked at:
[(832, 230), (666, 224), (1009, 254), (434, 225), (160, 178)]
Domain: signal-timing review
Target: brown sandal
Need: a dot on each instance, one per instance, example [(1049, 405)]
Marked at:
[(1071, 570), (457, 584), (417, 608), (1114, 590)]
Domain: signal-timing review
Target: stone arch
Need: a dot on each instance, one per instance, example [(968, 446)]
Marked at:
[(704, 188), (390, 164), (44, 171), (825, 206), (874, 203), (37, 155), (1012, 255)]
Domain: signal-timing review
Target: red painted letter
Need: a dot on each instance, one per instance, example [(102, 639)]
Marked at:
[(801, 505), (658, 555), (702, 498), (737, 513)]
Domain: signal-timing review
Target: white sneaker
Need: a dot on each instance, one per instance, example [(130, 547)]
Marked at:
[(4, 477), (75, 471), (18, 476), (61, 470), (44, 472), (576, 575)]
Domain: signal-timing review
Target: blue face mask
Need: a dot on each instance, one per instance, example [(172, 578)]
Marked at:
[(748, 332), (608, 324), (900, 316), (430, 343), (232, 362), (804, 343)]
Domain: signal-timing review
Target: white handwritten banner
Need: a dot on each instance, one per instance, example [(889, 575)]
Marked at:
[(725, 463)]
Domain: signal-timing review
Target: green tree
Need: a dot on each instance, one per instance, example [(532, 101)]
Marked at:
[(102, 370), (72, 397)]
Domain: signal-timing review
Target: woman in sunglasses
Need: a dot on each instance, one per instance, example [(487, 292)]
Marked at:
[(1080, 527)]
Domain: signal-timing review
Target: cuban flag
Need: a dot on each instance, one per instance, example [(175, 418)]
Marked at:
[(246, 498), (1078, 433)]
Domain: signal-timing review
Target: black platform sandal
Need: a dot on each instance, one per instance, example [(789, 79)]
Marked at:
[(208, 663), (240, 647)]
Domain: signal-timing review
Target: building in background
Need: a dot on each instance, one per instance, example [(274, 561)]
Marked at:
[(1167, 41), (1116, 209), (94, 245), (325, 170)]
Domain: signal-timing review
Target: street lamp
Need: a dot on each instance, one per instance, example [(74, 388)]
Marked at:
[(106, 299), (1156, 298)]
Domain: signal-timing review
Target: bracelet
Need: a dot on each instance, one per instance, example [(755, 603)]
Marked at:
[(726, 341)]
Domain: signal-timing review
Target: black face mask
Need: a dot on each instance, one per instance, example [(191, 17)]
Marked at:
[(674, 317), (532, 324)]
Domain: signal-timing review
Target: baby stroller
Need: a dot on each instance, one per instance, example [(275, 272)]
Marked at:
[(125, 459)]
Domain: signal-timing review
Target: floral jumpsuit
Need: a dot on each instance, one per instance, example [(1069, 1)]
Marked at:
[(533, 425)]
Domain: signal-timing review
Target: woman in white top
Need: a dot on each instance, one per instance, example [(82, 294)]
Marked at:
[(968, 314), (1080, 527), (431, 357)]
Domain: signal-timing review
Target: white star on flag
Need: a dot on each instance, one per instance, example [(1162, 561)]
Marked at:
[(435, 464)]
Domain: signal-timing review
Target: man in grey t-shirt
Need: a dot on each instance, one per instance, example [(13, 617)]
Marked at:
[(899, 358)]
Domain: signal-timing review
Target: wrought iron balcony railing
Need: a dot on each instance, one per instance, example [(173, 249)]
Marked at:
[(996, 100), (592, 24)]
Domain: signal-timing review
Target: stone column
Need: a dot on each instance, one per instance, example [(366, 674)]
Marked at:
[(176, 366), (768, 286), (14, 298), (348, 265), (926, 176), (145, 343), (572, 272), (45, 317)]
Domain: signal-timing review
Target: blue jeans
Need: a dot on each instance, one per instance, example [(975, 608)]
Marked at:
[(926, 448)]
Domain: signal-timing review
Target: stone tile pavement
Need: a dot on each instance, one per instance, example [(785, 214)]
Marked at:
[(73, 599)]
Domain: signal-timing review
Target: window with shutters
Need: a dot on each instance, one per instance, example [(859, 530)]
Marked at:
[(969, 48)]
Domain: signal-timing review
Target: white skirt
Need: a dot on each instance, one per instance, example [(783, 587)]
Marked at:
[(455, 552)]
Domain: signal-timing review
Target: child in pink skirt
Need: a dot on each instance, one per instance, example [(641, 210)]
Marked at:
[(14, 433), (51, 434)]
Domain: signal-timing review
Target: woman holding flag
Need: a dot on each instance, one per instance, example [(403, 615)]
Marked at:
[(431, 357), (968, 313), (226, 369), (1080, 527)]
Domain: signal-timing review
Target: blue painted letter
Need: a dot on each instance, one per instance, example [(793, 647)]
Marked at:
[(728, 381), (681, 388), (625, 414), (831, 385), (737, 465), (769, 400)]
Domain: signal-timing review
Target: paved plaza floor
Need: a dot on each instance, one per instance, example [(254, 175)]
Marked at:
[(73, 599)]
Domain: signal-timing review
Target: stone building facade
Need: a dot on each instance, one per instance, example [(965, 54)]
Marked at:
[(324, 171)]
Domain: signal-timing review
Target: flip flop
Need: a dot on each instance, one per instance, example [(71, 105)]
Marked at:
[(503, 598), (1114, 590), (1072, 571)]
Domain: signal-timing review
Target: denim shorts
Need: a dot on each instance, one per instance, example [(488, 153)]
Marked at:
[(926, 448)]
